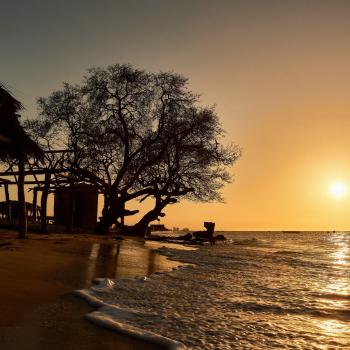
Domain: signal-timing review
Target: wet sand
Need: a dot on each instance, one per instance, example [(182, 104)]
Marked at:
[(37, 309)]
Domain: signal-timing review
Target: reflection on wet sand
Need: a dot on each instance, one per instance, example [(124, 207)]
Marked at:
[(124, 259)]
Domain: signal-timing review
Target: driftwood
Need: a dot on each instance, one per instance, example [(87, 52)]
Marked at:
[(197, 237), (206, 235)]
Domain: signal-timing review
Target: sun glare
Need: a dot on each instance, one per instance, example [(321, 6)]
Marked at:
[(338, 189)]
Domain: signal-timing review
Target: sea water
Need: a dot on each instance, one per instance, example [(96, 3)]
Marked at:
[(259, 290)]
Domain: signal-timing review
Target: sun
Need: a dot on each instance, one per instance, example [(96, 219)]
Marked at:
[(338, 189)]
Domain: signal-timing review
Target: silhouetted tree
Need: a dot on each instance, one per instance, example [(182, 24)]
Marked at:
[(194, 164), (137, 135)]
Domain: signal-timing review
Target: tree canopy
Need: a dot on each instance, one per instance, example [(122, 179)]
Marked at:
[(136, 135)]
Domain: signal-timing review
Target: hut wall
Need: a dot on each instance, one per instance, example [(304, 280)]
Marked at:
[(85, 206)]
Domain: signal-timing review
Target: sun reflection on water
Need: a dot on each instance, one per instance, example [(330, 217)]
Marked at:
[(334, 327), (337, 291), (341, 256)]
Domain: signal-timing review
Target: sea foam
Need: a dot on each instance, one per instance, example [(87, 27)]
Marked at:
[(116, 318)]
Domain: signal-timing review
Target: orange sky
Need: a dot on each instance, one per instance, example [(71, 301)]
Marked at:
[(278, 72)]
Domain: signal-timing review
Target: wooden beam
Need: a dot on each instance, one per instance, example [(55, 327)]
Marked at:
[(41, 171), (53, 188), (42, 182), (59, 151)]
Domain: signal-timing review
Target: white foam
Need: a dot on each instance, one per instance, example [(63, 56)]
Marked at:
[(116, 318), (108, 319)]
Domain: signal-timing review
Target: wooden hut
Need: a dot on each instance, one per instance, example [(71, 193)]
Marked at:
[(16, 144), (76, 206)]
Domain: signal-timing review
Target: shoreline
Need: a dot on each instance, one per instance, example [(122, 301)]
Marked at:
[(38, 309), (107, 316)]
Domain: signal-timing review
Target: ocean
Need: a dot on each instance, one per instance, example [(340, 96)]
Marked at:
[(258, 290)]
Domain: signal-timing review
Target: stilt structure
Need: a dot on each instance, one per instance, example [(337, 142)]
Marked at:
[(50, 169), (76, 202), (15, 144)]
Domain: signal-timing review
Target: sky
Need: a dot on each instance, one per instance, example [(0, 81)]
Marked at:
[(277, 71)]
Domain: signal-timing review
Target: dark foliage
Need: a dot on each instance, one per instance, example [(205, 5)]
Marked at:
[(138, 135), (14, 141)]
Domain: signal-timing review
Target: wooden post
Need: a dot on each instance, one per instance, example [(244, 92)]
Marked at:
[(70, 222), (35, 197), (43, 202), (7, 199), (22, 213)]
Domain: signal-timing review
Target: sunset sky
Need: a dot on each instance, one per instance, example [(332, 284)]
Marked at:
[(278, 72)]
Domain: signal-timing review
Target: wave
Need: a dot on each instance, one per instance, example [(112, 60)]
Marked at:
[(329, 313), (253, 242), (116, 318), (332, 296), (289, 252)]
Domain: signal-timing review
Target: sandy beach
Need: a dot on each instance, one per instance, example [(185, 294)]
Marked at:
[(38, 275)]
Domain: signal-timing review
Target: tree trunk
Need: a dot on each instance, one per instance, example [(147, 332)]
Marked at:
[(112, 210), (22, 213), (43, 203), (140, 228)]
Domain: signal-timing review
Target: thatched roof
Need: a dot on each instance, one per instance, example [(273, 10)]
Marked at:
[(13, 139)]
